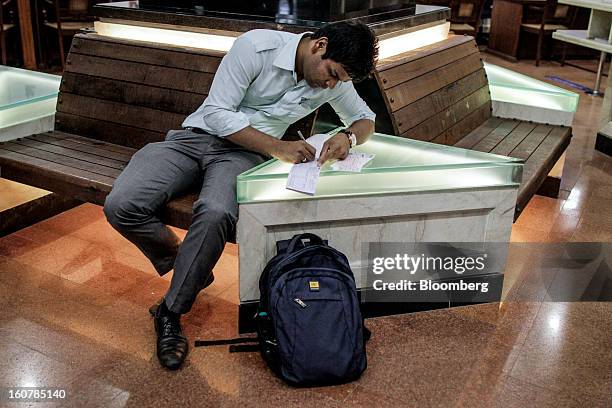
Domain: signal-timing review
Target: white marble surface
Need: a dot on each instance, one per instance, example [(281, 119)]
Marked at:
[(477, 215), (531, 113), (28, 128)]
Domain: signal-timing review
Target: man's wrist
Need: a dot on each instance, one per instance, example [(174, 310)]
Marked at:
[(274, 147), (350, 135)]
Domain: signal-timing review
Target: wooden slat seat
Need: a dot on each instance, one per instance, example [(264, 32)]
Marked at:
[(115, 97), (440, 94), (79, 167), (539, 145)]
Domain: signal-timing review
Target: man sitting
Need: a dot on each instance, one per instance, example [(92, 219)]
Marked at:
[(267, 81)]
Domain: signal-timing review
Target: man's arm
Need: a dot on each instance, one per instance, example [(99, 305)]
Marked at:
[(290, 152), (220, 110), (338, 146), (351, 109)]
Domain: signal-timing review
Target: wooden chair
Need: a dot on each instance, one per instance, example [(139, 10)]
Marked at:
[(552, 17), (67, 18), (7, 18), (466, 16)]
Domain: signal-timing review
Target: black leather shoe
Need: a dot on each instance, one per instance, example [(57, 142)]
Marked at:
[(172, 345)]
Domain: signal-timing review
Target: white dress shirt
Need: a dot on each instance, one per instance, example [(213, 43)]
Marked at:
[(256, 85)]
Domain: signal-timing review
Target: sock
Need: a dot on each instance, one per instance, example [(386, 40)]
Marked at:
[(163, 310)]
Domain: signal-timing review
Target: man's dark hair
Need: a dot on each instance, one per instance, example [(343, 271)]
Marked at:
[(353, 45)]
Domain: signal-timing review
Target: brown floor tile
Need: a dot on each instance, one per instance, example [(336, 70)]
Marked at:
[(361, 397), (435, 355), (557, 356), (90, 392), (61, 344), (32, 285), (526, 234), (564, 225), (519, 394), (14, 245), (13, 194), (24, 367), (587, 325)]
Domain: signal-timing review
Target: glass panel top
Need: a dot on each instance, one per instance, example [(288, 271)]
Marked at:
[(512, 87), (20, 86), (400, 165)]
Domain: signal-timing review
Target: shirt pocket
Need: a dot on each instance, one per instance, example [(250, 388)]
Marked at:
[(292, 112)]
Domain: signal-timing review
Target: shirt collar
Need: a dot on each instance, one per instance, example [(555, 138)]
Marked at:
[(286, 56)]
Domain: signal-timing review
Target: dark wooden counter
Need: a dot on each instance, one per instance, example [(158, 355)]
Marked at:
[(381, 24)]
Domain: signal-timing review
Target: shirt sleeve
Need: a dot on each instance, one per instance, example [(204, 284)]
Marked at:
[(239, 67), (349, 106)]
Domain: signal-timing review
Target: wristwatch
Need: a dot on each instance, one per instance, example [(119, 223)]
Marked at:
[(351, 137)]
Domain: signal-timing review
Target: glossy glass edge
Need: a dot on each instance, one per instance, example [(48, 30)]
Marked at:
[(507, 185), (42, 75), (560, 92), (503, 160), (380, 170)]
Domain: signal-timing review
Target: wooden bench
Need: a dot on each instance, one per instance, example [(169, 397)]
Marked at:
[(440, 94), (118, 95), (115, 97)]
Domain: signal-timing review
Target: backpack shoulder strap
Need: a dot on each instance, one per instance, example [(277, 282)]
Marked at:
[(366, 334), (220, 342), (243, 348)]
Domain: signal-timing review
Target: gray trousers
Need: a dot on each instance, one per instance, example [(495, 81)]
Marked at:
[(159, 172)]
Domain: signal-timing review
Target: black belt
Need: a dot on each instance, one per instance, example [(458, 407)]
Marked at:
[(196, 130)]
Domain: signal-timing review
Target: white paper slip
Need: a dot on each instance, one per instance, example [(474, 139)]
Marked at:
[(303, 177), (317, 141), (354, 162)]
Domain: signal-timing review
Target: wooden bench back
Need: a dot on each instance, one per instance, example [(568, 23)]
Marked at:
[(131, 93), (437, 93)]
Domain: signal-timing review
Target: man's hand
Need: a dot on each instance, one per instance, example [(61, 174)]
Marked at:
[(336, 147), (294, 152)]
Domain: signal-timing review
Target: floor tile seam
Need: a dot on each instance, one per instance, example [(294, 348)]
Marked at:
[(553, 227), (55, 328), (77, 371), (118, 295), (46, 229), (526, 336), (557, 391), (84, 375), (350, 393), (16, 233), (383, 393)]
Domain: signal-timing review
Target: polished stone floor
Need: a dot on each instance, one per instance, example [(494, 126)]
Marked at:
[(75, 294)]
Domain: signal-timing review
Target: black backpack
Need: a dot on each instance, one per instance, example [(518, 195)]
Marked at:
[(309, 325)]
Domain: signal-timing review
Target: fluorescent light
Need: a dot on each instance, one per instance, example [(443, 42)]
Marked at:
[(389, 47), (191, 39)]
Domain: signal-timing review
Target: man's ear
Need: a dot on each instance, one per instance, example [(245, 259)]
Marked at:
[(320, 44)]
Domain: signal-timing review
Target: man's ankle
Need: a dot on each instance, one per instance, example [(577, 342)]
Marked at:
[(165, 311)]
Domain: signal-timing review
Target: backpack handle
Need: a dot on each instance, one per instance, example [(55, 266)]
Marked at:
[(314, 240)]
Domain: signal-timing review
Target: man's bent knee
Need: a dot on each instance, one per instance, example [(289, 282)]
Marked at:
[(121, 211), (215, 213)]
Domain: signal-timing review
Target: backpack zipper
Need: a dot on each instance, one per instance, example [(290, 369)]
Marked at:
[(300, 302)]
